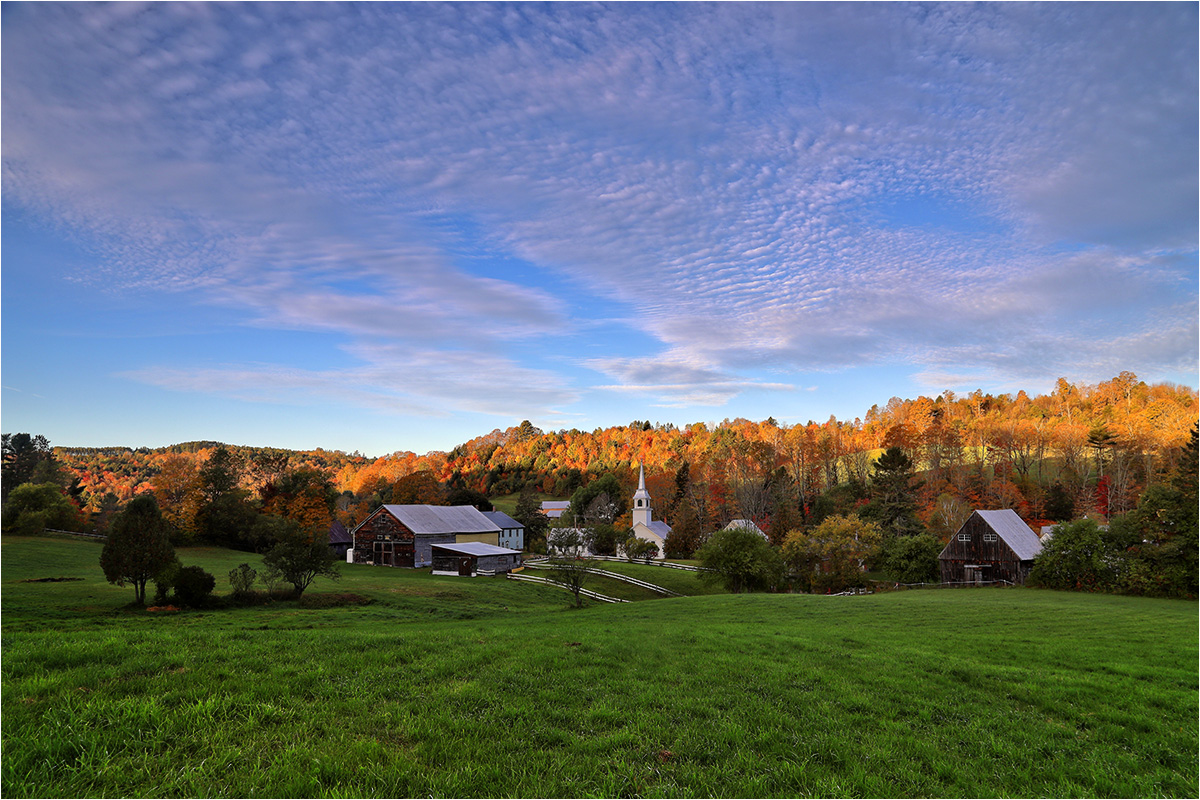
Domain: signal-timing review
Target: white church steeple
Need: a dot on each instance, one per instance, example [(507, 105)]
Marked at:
[(641, 499)]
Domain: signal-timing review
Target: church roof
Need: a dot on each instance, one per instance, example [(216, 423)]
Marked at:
[(658, 528), (641, 490)]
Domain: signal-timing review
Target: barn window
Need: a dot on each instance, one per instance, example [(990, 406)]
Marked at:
[(989, 536), (964, 537)]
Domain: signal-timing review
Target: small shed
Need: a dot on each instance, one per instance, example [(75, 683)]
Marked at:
[(339, 539), (990, 546), (512, 533), (473, 558)]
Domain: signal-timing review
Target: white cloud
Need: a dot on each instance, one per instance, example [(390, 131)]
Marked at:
[(714, 170)]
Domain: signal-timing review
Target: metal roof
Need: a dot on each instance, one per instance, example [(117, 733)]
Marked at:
[(1013, 530), (502, 519), (338, 534), (659, 528), (747, 524), (442, 519), (476, 549)]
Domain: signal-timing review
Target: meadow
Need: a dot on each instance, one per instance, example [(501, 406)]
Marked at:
[(444, 686)]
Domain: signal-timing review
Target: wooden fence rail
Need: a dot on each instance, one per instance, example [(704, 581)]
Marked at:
[(98, 536), (585, 592), (617, 576)]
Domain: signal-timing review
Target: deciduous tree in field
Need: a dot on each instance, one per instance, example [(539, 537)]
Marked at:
[(32, 507), (138, 546), (831, 556), (301, 560), (529, 513), (568, 554), (742, 560)]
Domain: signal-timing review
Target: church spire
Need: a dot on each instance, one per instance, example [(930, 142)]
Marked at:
[(641, 499)]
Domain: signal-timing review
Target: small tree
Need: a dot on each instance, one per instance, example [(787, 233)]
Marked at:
[(242, 579), (529, 513), (742, 560), (569, 550), (636, 548), (831, 556), (138, 546), (301, 561), (684, 539)]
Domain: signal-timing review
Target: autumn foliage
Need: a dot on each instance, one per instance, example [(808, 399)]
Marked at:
[(1087, 448)]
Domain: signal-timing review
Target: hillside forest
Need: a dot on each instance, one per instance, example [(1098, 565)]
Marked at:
[(913, 465)]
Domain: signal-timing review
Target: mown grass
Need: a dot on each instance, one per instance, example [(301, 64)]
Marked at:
[(931, 693)]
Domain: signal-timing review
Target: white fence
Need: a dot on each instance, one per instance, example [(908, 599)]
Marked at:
[(617, 576), (585, 592)]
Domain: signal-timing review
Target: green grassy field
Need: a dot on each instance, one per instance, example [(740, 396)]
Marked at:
[(485, 687)]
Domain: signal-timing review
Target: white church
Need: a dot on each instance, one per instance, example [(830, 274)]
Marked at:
[(644, 527)]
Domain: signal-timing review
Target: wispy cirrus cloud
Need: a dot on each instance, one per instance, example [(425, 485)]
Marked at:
[(715, 171)]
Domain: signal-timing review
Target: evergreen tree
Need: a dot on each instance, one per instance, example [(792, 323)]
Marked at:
[(529, 513), (893, 494)]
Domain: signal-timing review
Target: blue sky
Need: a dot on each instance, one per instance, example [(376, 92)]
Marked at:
[(381, 226)]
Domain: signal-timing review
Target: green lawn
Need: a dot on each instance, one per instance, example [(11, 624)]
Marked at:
[(508, 502), (485, 687)]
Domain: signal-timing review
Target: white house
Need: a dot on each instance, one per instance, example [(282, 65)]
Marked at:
[(644, 525)]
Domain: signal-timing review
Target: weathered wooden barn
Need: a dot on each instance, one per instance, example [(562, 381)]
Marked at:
[(403, 535), (473, 558), (990, 546), (339, 539)]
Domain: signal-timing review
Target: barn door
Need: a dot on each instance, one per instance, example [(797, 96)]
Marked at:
[(464, 567), (383, 554)]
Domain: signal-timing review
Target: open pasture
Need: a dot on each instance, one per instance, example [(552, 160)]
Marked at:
[(457, 687)]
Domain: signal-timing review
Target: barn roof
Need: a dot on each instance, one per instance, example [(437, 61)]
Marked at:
[(477, 549), (442, 519), (1015, 533), (338, 534), (502, 519)]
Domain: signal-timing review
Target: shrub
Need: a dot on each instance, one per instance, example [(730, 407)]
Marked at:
[(242, 579), (193, 585), (911, 559), (164, 581)]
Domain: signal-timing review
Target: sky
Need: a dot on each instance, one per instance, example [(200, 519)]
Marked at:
[(377, 227)]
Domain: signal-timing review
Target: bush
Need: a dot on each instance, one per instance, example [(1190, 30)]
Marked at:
[(193, 585), (911, 559), (242, 579), (164, 581), (742, 560)]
